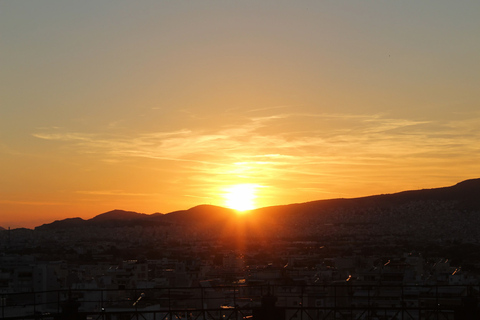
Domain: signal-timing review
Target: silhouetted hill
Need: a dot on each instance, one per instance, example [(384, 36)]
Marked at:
[(114, 218), (451, 212), (65, 224), (466, 194), (200, 214), (118, 215), (435, 210)]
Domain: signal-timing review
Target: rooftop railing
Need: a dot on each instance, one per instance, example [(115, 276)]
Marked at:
[(261, 302)]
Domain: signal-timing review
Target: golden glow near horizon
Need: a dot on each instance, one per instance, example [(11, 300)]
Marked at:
[(154, 106), (241, 197)]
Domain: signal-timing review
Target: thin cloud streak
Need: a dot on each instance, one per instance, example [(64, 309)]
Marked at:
[(174, 145), (115, 193), (246, 150), (31, 203)]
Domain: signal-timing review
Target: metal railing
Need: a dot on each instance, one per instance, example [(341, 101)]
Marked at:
[(289, 302)]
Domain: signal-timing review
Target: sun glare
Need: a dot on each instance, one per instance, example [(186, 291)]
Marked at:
[(241, 197)]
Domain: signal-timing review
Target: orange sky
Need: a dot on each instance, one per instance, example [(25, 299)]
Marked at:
[(160, 106)]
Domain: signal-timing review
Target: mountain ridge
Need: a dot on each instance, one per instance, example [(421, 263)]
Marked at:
[(464, 195)]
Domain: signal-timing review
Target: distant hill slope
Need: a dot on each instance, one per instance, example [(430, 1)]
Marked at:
[(201, 214), (65, 224), (114, 218), (466, 194), (404, 209), (118, 215)]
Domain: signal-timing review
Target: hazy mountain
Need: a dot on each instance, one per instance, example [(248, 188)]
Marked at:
[(201, 214), (114, 218), (66, 223), (118, 215), (466, 195), (410, 210)]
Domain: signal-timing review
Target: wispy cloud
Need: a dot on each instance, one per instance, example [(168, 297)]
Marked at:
[(31, 203), (288, 145), (115, 193)]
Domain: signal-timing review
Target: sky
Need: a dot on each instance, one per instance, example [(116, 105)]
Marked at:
[(157, 106)]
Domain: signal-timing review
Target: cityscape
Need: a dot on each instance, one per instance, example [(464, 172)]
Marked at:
[(383, 264)]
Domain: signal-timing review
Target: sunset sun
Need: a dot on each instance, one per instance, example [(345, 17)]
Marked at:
[(241, 197)]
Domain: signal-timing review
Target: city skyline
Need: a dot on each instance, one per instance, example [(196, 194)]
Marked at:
[(162, 106)]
